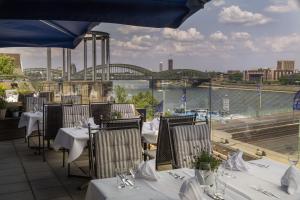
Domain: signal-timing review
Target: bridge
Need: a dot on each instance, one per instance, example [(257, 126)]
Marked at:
[(121, 72)]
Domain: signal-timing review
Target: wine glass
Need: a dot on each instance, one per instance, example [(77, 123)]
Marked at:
[(119, 176), (133, 170)]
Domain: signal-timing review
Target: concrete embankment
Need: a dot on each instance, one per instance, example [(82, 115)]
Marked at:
[(269, 88)]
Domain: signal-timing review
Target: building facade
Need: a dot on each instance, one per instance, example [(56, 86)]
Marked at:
[(170, 64), (284, 67)]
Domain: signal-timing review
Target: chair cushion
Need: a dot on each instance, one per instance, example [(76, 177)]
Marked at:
[(35, 101), (73, 114), (116, 149), (188, 141), (126, 110)]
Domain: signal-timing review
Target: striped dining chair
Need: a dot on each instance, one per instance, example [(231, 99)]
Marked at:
[(31, 102), (116, 149), (188, 141), (72, 114), (126, 110)]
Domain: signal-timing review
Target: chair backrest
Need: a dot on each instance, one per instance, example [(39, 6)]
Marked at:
[(126, 110), (48, 95), (71, 99), (72, 114), (100, 111), (122, 123), (116, 149), (187, 141), (34, 101), (164, 154), (52, 120)]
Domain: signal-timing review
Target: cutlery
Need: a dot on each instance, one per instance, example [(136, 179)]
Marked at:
[(265, 192), (259, 165), (176, 176)]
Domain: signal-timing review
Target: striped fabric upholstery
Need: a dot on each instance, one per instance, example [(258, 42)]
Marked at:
[(32, 101), (188, 141), (72, 114), (126, 110), (116, 149), (72, 99)]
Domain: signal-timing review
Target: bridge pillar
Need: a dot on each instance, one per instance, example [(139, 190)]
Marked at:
[(48, 64), (85, 58), (103, 58), (64, 63), (107, 58), (94, 56), (69, 64)]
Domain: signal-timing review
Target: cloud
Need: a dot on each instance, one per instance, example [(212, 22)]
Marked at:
[(137, 43), (283, 43), (235, 15), (218, 36), (126, 29), (240, 35), (218, 3), (250, 45), (284, 6), (189, 35)]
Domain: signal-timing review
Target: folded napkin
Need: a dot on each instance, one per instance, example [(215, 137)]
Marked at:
[(155, 124), (191, 190), (236, 162), (86, 122), (146, 170), (290, 181), (147, 127)]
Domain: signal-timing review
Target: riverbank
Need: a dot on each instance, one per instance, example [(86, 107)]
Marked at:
[(266, 88)]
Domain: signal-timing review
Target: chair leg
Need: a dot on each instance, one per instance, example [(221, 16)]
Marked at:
[(28, 141), (64, 151), (25, 134), (145, 149), (44, 157), (39, 135)]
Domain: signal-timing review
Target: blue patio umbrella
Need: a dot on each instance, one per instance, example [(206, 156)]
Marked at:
[(62, 23)]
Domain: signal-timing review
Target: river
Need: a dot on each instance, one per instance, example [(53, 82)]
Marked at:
[(244, 102)]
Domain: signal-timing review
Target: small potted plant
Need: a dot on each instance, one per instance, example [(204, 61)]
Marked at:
[(205, 165), (3, 107)]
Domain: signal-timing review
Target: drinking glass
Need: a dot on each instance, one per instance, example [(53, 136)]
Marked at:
[(220, 189), (119, 176)]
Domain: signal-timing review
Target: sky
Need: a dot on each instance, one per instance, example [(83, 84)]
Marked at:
[(225, 35)]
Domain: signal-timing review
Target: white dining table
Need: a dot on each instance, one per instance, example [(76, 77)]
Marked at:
[(30, 120), (239, 185), (75, 140)]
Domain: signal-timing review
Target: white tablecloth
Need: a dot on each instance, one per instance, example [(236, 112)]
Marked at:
[(167, 187), (149, 135), (73, 139), (30, 120)]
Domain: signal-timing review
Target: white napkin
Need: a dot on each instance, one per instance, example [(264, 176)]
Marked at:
[(191, 190), (236, 162), (86, 122), (291, 180), (147, 127), (155, 124), (146, 170)]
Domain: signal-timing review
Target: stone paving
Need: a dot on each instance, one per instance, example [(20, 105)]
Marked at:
[(24, 175)]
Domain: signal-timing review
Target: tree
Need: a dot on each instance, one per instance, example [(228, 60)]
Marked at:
[(236, 77), (145, 100), (121, 94), (7, 65)]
